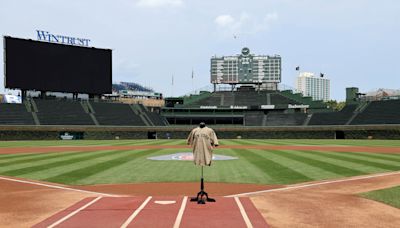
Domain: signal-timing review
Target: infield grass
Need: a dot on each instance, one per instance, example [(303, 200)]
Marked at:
[(388, 196), (253, 166)]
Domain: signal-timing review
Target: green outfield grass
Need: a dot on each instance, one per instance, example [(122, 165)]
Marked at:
[(253, 166), (388, 196)]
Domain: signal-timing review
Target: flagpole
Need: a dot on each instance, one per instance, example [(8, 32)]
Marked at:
[(172, 86), (192, 81)]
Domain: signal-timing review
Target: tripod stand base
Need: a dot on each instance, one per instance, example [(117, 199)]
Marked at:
[(202, 194), (202, 198)]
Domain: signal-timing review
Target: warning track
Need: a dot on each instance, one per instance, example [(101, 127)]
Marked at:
[(367, 149)]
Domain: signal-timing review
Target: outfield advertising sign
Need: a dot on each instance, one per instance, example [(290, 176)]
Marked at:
[(61, 39)]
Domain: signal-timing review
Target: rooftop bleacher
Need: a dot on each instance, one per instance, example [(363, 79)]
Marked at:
[(250, 98), (277, 98), (240, 98)]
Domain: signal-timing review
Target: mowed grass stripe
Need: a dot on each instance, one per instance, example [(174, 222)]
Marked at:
[(73, 176), (311, 171), (144, 142), (329, 142), (362, 156), (38, 157), (273, 142), (368, 157), (236, 171), (346, 164), (278, 172), (8, 157), (59, 163), (241, 142), (342, 157), (229, 142), (44, 162), (145, 170), (58, 170), (245, 142), (173, 142), (339, 170), (386, 157)]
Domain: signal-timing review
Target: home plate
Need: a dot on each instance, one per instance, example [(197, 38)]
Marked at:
[(165, 202)]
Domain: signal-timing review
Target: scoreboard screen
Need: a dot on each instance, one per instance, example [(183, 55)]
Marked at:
[(42, 66), (246, 68)]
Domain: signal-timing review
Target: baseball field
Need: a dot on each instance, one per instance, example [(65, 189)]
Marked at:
[(260, 166), (259, 161)]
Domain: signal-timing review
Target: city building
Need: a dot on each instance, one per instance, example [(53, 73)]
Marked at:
[(247, 68), (316, 87)]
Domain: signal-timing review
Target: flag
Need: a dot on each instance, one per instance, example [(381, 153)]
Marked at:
[(297, 68), (321, 74)]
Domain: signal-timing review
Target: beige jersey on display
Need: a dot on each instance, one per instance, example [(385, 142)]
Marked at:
[(202, 141)]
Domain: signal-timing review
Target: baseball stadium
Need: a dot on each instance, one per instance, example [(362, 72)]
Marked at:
[(80, 151)]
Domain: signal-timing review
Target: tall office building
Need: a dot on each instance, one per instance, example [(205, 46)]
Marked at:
[(316, 87), (247, 68)]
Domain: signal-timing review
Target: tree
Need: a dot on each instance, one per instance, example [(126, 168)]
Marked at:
[(336, 106)]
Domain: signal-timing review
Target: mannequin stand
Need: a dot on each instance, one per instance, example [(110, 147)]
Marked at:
[(200, 195)]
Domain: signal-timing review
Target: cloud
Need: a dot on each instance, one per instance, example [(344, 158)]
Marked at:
[(245, 23), (224, 20), (159, 3), (271, 17)]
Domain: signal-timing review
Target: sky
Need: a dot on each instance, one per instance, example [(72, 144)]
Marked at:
[(354, 43)]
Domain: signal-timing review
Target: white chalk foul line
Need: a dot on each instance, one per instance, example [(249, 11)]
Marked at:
[(180, 213), (54, 186), (314, 184), (74, 212), (243, 212), (135, 213)]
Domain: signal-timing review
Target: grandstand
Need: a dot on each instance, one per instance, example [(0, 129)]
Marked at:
[(82, 113), (115, 114), (333, 118), (15, 114), (243, 107), (276, 108), (238, 108), (60, 112), (254, 118), (379, 112), (285, 119), (268, 114)]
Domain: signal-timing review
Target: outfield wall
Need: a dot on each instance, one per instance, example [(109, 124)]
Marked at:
[(302, 132)]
